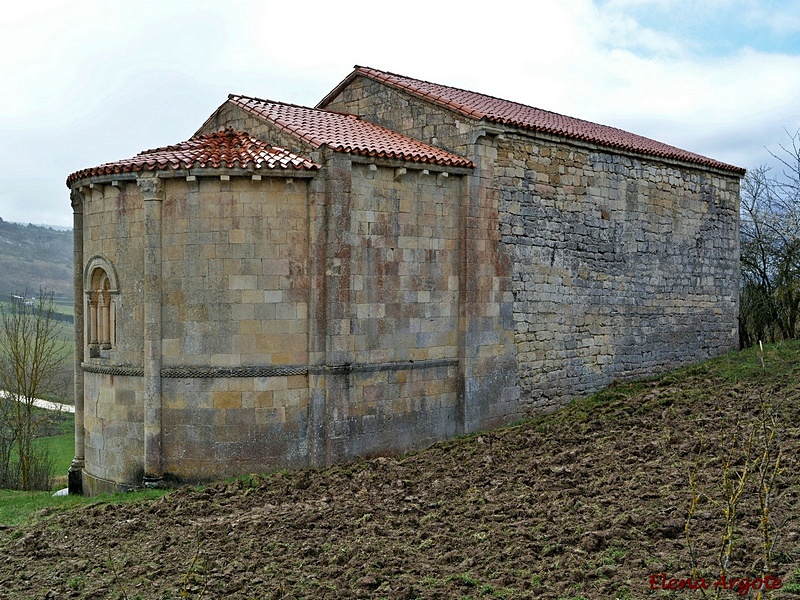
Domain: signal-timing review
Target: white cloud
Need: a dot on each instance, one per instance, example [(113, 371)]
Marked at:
[(93, 81)]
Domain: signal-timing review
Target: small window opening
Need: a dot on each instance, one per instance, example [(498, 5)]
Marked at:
[(102, 315)]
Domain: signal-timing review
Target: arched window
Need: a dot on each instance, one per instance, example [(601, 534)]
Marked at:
[(101, 311), (101, 290)]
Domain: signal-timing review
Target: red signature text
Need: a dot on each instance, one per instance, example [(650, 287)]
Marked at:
[(659, 581)]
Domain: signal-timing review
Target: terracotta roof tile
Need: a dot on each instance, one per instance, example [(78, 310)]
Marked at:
[(221, 150), (346, 133), (504, 112)]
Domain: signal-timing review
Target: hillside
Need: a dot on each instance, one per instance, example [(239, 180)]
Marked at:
[(589, 502), (32, 256)]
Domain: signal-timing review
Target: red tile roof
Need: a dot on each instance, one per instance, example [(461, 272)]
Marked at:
[(346, 133), (504, 112), (225, 149)]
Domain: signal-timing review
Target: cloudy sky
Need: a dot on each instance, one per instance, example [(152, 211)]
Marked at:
[(89, 82)]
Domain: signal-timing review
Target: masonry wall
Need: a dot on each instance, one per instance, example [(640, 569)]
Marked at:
[(488, 369), (113, 418), (404, 232), (234, 295), (380, 306), (623, 267), (303, 321), (406, 114), (620, 266), (113, 430), (231, 116), (392, 313)]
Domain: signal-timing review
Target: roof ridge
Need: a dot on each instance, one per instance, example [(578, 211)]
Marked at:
[(228, 131), (452, 87), (499, 99), (267, 100), (225, 149), (480, 106), (345, 132)]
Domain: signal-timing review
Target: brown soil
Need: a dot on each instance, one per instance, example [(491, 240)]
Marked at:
[(586, 503)]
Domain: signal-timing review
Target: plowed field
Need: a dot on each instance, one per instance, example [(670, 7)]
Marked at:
[(590, 502)]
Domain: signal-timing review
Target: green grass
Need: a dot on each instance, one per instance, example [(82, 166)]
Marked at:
[(61, 448), (67, 350), (18, 508), (66, 340), (779, 358), (65, 308), (62, 308), (65, 332)]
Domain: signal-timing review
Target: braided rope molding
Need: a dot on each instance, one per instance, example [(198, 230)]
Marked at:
[(404, 365), (201, 372), (113, 370), (206, 372)]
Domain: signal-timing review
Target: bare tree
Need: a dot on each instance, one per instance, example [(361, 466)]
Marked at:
[(30, 355), (770, 250)]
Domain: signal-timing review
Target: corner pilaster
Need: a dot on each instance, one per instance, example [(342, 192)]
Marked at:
[(489, 391), (75, 473), (153, 194)]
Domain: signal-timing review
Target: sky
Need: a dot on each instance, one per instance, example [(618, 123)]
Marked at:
[(89, 82)]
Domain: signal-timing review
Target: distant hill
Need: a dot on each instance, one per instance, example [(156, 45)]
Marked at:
[(32, 256)]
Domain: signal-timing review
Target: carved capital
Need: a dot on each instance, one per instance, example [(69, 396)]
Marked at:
[(152, 187), (77, 199)]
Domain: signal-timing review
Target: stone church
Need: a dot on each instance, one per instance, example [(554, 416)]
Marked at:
[(401, 264)]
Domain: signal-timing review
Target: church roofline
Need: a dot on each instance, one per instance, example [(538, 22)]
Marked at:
[(222, 151), (490, 109), (345, 133)]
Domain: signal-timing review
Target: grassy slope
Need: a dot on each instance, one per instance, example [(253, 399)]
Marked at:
[(18, 508), (61, 448), (587, 503)]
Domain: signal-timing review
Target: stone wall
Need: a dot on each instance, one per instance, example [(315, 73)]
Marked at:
[(234, 290), (113, 417), (234, 269), (393, 308), (233, 117), (234, 294), (113, 431), (488, 375), (113, 233), (376, 306), (623, 266), (406, 114), (405, 239), (303, 321)]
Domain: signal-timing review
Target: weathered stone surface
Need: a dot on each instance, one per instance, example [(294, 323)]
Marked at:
[(622, 266), (618, 265), (375, 306)]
